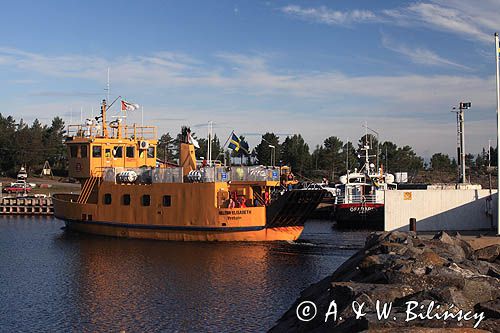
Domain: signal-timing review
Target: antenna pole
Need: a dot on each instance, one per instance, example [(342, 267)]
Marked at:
[(103, 116), (346, 157), (489, 153), (209, 148), (498, 132), (107, 88)]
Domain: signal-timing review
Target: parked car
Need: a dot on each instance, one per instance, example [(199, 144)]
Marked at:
[(17, 188), (20, 182)]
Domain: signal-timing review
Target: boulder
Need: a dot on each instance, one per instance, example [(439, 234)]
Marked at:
[(396, 268), (491, 308), (489, 253)]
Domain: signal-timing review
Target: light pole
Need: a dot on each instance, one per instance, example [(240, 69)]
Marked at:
[(497, 70), (209, 147), (273, 154), (461, 137), (273, 150)]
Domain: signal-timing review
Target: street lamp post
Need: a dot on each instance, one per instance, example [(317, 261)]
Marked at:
[(273, 151), (461, 137), (273, 154)]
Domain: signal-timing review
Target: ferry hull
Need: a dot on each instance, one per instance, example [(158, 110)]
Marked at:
[(197, 219), (360, 216), (185, 234)]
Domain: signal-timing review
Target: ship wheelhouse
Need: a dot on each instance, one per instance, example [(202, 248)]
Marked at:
[(92, 147)]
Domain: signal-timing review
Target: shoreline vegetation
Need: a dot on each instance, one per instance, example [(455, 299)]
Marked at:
[(402, 282), (33, 144)]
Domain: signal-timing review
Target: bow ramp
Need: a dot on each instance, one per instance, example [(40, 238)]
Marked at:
[(293, 207)]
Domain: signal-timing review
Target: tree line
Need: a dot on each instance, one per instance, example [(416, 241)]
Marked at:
[(33, 144), (333, 157), (22, 144)]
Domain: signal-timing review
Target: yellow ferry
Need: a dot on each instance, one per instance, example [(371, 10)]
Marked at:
[(126, 193)]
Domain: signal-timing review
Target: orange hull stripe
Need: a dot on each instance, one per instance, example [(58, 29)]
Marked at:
[(266, 234)]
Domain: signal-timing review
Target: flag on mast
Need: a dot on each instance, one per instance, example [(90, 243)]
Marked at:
[(193, 141), (235, 143), (127, 106)]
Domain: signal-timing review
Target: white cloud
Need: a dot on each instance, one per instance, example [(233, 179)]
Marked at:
[(419, 55), (474, 20), (329, 16), (252, 76), (291, 102), (444, 17)]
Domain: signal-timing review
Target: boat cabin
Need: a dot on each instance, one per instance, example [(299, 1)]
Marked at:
[(93, 146)]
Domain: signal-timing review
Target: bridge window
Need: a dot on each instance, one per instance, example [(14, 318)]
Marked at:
[(83, 151), (130, 153), (107, 199), (73, 150), (146, 200), (118, 151), (151, 152), (167, 201), (126, 199), (96, 151)]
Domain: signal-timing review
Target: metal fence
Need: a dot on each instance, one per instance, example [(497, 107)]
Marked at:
[(356, 199), (146, 175), (167, 175), (255, 173), (207, 174)]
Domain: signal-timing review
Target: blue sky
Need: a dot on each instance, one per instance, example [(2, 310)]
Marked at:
[(318, 68)]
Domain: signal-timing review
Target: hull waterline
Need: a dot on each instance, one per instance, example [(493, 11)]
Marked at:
[(186, 233), (360, 216)]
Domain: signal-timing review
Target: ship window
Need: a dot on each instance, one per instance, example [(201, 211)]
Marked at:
[(126, 199), (96, 151), (146, 200), (107, 199), (73, 151), (167, 201), (107, 153), (118, 151), (151, 152), (130, 152), (83, 151)]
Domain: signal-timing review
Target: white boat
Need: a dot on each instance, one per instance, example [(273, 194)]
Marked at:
[(360, 198)]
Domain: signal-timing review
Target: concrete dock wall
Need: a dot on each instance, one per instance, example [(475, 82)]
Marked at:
[(26, 206), (435, 210)]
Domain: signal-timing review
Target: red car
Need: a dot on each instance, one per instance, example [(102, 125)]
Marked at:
[(17, 188)]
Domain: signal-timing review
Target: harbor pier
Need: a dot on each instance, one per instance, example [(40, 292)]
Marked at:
[(26, 206), (440, 207)]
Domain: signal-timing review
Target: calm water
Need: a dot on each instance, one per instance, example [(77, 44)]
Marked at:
[(53, 280)]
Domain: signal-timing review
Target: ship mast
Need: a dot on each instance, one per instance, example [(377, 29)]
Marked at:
[(103, 118)]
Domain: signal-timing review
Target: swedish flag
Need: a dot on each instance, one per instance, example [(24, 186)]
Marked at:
[(235, 143)]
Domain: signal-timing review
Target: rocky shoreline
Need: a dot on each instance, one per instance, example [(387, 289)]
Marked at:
[(426, 285)]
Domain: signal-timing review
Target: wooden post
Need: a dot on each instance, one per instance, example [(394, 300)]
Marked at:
[(413, 224)]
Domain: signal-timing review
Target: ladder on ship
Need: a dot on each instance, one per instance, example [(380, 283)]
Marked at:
[(87, 188)]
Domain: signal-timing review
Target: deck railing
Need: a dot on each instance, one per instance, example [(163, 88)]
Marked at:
[(357, 199), (94, 130)]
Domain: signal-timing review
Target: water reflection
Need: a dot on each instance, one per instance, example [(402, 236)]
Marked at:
[(100, 283)]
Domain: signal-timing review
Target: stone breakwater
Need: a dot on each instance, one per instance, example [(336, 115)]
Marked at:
[(402, 283)]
